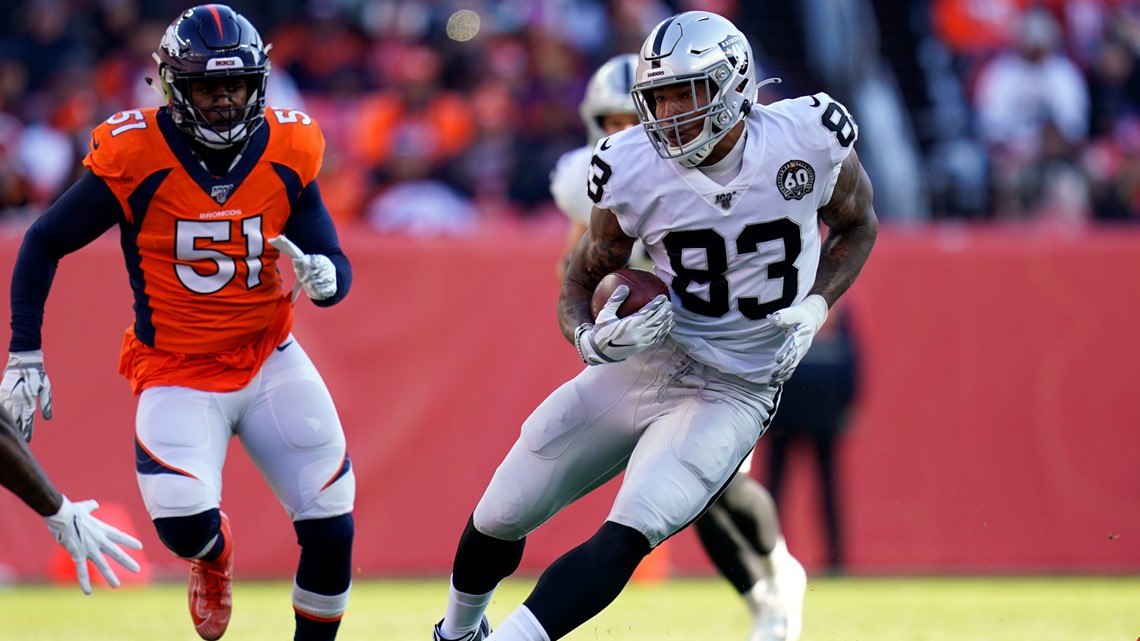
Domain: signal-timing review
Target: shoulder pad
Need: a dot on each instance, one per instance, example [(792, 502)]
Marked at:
[(295, 140), (130, 134)]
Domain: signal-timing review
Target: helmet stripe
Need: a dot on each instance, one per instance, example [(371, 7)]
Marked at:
[(217, 19), (627, 75), (660, 39)]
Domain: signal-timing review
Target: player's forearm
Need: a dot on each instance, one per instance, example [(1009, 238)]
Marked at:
[(842, 258), (573, 307), (20, 473)]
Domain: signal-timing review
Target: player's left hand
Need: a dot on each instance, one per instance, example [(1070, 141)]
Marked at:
[(315, 272), (800, 323), (86, 538), (25, 382)]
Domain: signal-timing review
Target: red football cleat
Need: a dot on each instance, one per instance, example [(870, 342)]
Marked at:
[(211, 589)]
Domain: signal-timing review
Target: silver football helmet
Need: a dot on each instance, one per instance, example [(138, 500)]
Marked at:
[(607, 93), (713, 57)]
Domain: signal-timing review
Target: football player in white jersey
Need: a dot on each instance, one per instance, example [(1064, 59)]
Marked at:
[(727, 197), (741, 530)]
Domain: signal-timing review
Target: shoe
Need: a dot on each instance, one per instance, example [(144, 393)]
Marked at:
[(781, 613), (480, 633), (211, 589)]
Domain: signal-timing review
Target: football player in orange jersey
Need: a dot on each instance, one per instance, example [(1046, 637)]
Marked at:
[(206, 193)]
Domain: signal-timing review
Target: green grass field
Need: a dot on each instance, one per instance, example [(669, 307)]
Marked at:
[(849, 609)]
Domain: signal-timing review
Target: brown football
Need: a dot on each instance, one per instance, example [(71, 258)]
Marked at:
[(644, 286)]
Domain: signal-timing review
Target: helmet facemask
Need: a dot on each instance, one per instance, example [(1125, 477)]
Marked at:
[(709, 110), (235, 124)]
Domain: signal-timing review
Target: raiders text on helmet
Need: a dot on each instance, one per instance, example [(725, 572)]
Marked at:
[(711, 56), (209, 42)]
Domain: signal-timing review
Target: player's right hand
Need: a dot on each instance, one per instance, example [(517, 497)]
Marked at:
[(315, 273), (24, 382), (611, 339), (86, 538)]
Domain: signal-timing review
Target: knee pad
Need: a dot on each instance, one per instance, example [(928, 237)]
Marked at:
[(620, 544), (188, 536), (483, 560), (326, 553), (335, 532)]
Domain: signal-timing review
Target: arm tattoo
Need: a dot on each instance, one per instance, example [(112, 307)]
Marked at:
[(851, 230), (603, 248)]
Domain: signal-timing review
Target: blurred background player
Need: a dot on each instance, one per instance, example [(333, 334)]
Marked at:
[(85, 537), (204, 192), (606, 109), (676, 394), (741, 531), (815, 412)]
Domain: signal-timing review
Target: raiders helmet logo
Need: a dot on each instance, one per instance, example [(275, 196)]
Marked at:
[(795, 179)]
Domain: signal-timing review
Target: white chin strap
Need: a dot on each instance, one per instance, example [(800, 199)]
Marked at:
[(214, 140), (698, 156)]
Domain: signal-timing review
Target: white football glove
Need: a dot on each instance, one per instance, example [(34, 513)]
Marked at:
[(800, 322), (316, 273), (25, 381), (86, 538), (611, 339)]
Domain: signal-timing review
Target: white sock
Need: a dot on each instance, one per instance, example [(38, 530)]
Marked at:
[(520, 626), (754, 597), (322, 607), (464, 612), (769, 561)]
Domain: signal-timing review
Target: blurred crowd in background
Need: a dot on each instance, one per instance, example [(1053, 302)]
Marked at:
[(981, 110)]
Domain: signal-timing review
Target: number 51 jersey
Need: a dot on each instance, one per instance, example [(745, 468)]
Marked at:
[(732, 254), (209, 306)]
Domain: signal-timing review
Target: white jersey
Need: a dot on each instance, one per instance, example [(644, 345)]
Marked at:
[(568, 184), (732, 254)]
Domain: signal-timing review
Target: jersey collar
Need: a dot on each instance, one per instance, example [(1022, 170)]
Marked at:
[(254, 150)]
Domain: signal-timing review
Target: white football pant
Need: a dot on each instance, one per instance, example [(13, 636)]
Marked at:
[(679, 429), (285, 420)]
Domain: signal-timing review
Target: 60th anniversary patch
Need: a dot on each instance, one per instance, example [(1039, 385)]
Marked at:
[(795, 179)]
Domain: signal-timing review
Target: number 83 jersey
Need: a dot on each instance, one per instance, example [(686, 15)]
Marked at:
[(734, 253)]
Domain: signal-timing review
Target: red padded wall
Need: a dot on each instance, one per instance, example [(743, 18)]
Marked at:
[(997, 432)]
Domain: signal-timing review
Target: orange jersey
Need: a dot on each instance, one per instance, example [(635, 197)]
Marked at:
[(209, 305)]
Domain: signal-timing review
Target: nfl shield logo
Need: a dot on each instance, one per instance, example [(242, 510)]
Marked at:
[(221, 193)]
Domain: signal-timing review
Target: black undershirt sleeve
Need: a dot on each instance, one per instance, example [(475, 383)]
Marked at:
[(83, 213), (311, 227)]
